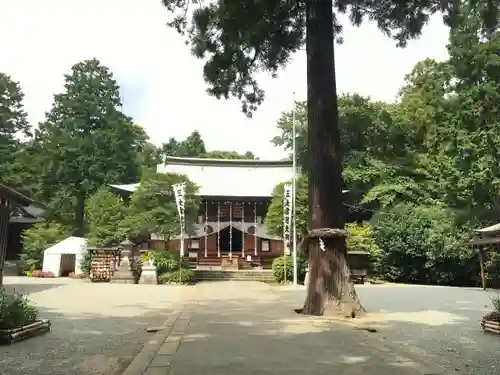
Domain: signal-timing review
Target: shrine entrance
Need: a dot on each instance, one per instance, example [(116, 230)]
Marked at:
[(231, 239)]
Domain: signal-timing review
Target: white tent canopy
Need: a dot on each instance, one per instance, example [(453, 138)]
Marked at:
[(53, 257)]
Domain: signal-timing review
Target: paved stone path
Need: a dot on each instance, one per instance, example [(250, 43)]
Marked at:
[(250, 328), (441, 323)]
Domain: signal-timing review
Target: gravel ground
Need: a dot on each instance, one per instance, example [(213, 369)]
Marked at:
[(442, 322), (96, 328)]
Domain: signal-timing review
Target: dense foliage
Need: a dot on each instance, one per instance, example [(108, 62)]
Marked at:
[(283, 266), (423, 170), (152, 206), (194, 146), (105, 213), (422, 173), (167, 267), (37, 239), (84, 143), (15, 310)]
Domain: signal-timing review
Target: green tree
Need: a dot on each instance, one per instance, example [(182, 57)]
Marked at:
[(37, 239), (13, 123), (227, 155), (170, 148), (105, 214), (25, 169), (239, 38), (274, 216), (153, 209), (193, 146), (424, 244), (86, 141), (470, 144)]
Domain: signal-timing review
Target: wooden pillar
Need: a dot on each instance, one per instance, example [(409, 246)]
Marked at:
[(4, 232), (481, 264)]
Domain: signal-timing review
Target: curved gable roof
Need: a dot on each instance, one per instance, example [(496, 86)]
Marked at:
[(231, 178)]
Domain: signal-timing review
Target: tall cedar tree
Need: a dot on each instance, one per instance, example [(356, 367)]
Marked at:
[(241, 37), (86, 140), (13, 123)]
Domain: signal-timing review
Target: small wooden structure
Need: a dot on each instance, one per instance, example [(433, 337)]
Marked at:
[(103, 263), (358, 261), (12, 335), (9, 199), (486, 239)]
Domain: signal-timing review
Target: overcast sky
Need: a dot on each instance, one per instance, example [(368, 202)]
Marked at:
[(162, 84)]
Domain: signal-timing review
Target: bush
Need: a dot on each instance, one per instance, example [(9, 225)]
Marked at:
[(37, 239), (278, 268), (86, 264), (40, 273), (496, 303), (164, 261), (15, 310), (425, 245), (361, 237), (172, 277)]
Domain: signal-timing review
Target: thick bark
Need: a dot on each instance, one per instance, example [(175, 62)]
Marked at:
[(79, 229), (330, 289)]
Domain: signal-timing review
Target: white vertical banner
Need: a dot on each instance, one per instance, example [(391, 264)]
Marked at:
[(287, 217), (180, 200)]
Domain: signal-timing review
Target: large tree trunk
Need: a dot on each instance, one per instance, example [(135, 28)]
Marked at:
[(330, 290), (79, 228)]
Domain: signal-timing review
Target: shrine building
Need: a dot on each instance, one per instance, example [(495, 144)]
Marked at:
[(235, 196)]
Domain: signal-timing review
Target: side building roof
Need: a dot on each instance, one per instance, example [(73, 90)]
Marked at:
[(227, 177)]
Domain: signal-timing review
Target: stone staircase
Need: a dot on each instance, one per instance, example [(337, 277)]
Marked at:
[(240, 275)]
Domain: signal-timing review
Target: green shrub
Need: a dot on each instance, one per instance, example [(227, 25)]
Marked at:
[(361, 237), (37, 239), (425, 245), (187, 276), (86, 264), (496, 303), (15, 310), (278, 268), (165, 261)]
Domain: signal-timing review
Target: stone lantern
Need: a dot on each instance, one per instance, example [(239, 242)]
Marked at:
[(125, 274), (148, 273)]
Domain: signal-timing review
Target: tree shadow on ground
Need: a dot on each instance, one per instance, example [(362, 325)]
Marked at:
[(28, 289), (264, 336), (442, 324)]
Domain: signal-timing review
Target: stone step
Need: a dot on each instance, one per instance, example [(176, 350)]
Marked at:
[(213, 275)]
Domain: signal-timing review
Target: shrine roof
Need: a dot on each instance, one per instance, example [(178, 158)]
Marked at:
[(227, 177)]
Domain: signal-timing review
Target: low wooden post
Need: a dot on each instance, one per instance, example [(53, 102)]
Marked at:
[(481, 264)]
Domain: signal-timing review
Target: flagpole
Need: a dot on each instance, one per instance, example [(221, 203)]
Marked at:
[(294, 184)]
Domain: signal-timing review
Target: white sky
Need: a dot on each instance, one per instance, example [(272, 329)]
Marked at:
[(162, 84)]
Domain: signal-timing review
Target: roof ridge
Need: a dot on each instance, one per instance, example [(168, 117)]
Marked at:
[(177, 160)]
